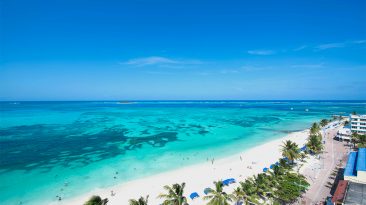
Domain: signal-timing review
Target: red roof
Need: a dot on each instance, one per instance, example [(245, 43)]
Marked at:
[(340, 191)]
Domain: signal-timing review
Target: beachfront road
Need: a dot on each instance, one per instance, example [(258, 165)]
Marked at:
[(319, 174)]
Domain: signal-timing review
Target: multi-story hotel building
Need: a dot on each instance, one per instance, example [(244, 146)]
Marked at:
[(358, 123)]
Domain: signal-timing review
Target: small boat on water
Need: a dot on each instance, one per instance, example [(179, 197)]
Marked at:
[(125, 102)]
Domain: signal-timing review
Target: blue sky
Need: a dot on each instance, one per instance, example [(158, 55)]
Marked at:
[(112, 50)]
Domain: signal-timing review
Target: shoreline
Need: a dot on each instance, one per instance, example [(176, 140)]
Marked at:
[(198, 176)]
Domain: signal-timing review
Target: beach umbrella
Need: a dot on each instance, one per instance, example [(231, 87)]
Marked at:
[(277, 163), (226, 182), (265, 169), (207, 190), (272, 166), (194, 195), (232, 180)]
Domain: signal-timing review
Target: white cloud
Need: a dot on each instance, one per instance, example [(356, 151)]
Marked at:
[(300, 48), (153, 60), (161, 61), (319, 65), (229, 71), (330, 45), (339, 45), (359, 42), (261, 52)]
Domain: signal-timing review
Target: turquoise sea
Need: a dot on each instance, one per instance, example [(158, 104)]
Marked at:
[(50, 149)]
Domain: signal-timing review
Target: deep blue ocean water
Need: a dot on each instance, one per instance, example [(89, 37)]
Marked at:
[(68, 148)]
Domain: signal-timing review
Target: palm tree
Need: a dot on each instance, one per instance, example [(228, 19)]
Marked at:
[(262, 185), (217, 196), (358, 139), (237, 195), (248, 188), (96, 200), (314, 143), (277, 172), (140, 201), (174, 195), (314, 128), (290, 150), (323, 122)]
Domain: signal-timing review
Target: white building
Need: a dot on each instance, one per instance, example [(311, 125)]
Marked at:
[(358, 123), (344, 133)]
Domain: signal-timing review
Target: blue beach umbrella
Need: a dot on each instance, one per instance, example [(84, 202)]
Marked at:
[(194, 195), (272, 166), (226, 182), (207, 190), (232, 180), (277, 163), (265, 169)]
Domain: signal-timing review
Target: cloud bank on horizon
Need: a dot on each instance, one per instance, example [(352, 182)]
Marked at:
[(70, 50)]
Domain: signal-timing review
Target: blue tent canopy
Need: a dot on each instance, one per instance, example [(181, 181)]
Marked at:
[(265, 169), (207, 190), (194, 195)]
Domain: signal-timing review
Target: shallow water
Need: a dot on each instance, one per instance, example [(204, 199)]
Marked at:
[(51, 149)]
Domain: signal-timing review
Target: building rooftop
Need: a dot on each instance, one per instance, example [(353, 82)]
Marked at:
[(356, 162), (340, 191), (358, 116), (351, 165), (356, 194), (361, 160)]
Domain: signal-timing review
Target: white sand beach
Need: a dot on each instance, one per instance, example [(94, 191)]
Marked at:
[(197, 177)]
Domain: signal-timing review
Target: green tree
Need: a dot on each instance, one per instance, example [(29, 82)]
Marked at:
[(96, 200), (174, 195), (277, 172), (248, 187), (314, 128), (238, 195), (290, 150), (262, 185), (291, 187), (359, 140), (314, 143), (217, 196), (323, 122), (346, 123), (140, 201)]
